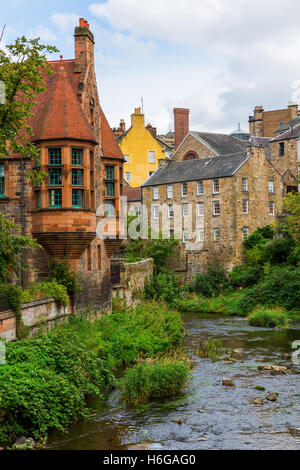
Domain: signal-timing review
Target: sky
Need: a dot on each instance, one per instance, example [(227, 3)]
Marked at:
[(219, 58)]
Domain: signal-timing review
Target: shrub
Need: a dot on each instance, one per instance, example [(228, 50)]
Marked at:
[(212, 283), (226, 305), (260, 237), (245, 276), (163, 286), (46, 289), (163, 378), (280, 288), (278, 251), (63, 274), (262, 316)]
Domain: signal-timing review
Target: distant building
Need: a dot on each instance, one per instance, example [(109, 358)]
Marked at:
[(142, 150), (134, 200), (240, 133), (266, 123)]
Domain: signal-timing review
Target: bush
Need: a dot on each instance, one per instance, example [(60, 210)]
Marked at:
[(246, 276), (46, 289), (163, 378), (212, 283), (278, 251), (280, 288), (163, 286), (225, 305), (262, 316), (260, 237), (63, 274)]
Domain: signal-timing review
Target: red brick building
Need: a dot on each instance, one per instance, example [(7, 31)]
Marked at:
[(85, 170)]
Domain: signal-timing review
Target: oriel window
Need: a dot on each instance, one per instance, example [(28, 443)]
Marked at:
[(54, 155), (77, 157)]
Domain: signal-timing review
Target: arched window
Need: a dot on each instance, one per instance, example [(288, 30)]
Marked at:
[(190, 156)]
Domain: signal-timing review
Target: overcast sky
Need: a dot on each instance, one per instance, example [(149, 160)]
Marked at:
[(219, 58)]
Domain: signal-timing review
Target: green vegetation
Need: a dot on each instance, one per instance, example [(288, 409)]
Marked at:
[(163, 286), (46, 289), (63, 274), (164, 377), (262, 316), (224, 304), (212, 349), (47, 378), (212, 283)]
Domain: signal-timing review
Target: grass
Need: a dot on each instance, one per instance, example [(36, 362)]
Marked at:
[(164, 377), (223, 304), (263, 316)]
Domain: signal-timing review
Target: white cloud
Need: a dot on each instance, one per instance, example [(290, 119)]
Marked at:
[(65, 21), (42, 32)]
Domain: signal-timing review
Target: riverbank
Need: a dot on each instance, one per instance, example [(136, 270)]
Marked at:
[(47, 379)]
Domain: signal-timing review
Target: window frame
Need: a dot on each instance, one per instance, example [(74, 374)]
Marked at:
[(245, 206), (281, 149), (185, 214), (216, 204), (168, 191), (272, 205), (55, 206), (54, 163), (245, 230), (200, 184), (155, 208), (199, 213), (216, 182), (245, 180), (2, 180), (152, 153), (155, 193), (202, 232), (73, 160), (184, 193), (81, 192), (271, 186), (216, 230)]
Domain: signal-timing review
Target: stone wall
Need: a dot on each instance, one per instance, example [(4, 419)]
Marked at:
[(289, 160), (37, 314), (192, 145), (132, 280)]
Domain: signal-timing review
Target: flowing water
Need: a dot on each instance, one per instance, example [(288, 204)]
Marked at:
[(212, 416)]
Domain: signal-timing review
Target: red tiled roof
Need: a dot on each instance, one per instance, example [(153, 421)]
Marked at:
[(58, 113), (133, 194), (109, 145)]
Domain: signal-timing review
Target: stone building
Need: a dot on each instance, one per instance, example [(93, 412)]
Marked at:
[(85, 171), (212, 203), (266, 123), (134, 200)]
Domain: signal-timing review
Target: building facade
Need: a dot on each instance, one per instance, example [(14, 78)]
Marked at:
[(84, 165), (265, 123)]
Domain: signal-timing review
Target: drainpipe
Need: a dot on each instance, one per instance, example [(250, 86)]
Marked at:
[(23, 219)]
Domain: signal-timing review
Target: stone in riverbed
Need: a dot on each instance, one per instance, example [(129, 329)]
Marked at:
[(272, 396), (275, 370), (227, 382), (23, 442), (257, 401)]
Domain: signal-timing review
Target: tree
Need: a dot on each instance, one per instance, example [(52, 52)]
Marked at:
[(11, 248), (23, 66), (291, 204)]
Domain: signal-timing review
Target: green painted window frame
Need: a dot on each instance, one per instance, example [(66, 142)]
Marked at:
[(54, 156), (109, 173), (2, 180), (77, 157), (77, 198), (38, 199), (109, 203), (77, 177), (55, 177), (57, 198), (110, 189)]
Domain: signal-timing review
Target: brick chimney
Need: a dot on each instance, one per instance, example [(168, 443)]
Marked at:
[(122, 126), (153, 130), (181, 125), (84, 45)]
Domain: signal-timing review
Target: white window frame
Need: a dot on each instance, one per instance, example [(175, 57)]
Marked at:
[(138, 209), (201, 235), (200, 205), (127, 178), (271, 186), (272, 212), (200, 192), (245, 185), (217, 230), (170, 211), (216, 203), (185, 237), (184, 206), (245, 212), (169, 191), (155, 212), (216, 182), (183, 193), (151, 156), (126, 158), (155, 193)]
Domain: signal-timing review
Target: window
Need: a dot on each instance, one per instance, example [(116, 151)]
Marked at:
[(184, 189), (200, 234), (126, 158), (2, 180), (271, 186), (185, 237), (77, 177), (138, 210), (200, 209), (77, 157), (245, 233), (99, 256), (109, 173), (92, 162), (55, 177), (281, 149), (200, 188), (185, 210), (170, 192), (89, 258), (77, 198), (245, 206), (54, 156), (110, 189), (216, 208), (170, 211), (110, 209), (55, 198), (216, 234), (216, 187), (155, 212), (127, 176), (244, 185), (38, 199), (155, 193), (272, 207), (151, 157)]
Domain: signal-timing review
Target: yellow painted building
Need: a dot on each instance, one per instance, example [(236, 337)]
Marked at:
[(141, 150)]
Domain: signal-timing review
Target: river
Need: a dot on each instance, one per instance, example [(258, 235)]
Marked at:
[(212, 416)]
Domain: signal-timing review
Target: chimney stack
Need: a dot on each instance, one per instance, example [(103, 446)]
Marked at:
[(84, 45), (153, 130), (181, 125)]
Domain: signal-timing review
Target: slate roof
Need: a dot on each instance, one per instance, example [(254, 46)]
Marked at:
[(221, 144), (292, 133), (193, 170), (287, 125)]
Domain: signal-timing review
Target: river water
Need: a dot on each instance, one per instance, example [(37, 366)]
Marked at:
[(212, 416)]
